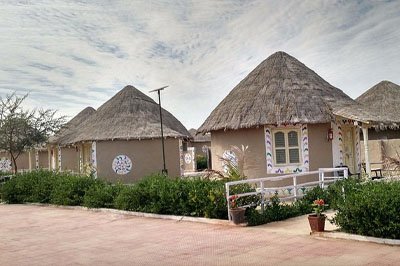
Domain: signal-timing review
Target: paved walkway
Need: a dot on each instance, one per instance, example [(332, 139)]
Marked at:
[(32, 235)]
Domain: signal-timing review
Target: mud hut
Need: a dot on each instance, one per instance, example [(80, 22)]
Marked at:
[(290, 118), (124, 138), (383, 99), (64, 154)]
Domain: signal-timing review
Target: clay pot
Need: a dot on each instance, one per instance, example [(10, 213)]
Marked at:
[(317, 223), (237, 215)]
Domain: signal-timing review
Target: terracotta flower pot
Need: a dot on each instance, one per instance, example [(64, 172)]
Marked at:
[(237, 215), (317, 223)]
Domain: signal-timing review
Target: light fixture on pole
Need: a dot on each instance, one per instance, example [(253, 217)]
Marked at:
[(164, 171)]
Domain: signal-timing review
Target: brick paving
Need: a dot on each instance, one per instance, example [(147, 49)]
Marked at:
[(34, 235)]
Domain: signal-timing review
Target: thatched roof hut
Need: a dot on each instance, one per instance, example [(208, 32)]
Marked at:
[(199, 138), (69, 131), (383, 99), (129, 115), (282, 90)]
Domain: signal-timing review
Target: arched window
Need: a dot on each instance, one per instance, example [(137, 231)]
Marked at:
[(287, 146)]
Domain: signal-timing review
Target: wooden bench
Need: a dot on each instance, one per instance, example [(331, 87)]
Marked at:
[(377, 171)]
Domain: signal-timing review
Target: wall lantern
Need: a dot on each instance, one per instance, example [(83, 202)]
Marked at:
[(330, 134)]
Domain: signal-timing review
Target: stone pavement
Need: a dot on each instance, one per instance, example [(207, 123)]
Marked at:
[(34, 235)]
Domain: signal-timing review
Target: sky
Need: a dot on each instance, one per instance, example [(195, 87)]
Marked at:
[(72, 54)]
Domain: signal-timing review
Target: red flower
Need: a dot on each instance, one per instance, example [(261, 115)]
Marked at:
[(319, 202)]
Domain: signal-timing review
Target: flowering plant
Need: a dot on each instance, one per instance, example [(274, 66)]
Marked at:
[(319, 205), (233, 201)]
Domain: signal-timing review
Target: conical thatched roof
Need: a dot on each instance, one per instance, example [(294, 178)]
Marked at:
[(69, 131), (199, 138), (281, 90), (383, 99), (130, 114)]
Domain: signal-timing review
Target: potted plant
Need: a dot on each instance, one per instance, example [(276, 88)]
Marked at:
[(317, 220), (236, 213)]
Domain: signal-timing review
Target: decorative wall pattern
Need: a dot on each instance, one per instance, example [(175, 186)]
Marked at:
[(59, 157), (188, 158), (122, 164), (358, 149), (94, 159), (5, 165), (229, 156), (304, 166), (337, 144), (181, 157), (36, 159)]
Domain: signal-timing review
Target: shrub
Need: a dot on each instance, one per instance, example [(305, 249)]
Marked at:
[(201, 162), (371, 209), (71, 189), (101, 195), (29, 187), (157, 194), (274, 211)]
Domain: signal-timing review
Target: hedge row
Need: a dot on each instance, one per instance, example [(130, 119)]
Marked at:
[(154, 194), (371, 209)]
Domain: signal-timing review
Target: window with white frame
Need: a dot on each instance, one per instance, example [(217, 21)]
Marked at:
[(286, 146)]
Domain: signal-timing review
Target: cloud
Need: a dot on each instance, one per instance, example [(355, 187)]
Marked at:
[(70, 55)]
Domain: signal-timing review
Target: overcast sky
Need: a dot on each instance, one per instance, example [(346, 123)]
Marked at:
[(77, 54)]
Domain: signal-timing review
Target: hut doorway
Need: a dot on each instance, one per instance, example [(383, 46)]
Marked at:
[(348, 148)]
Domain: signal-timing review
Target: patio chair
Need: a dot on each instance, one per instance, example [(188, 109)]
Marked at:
[(341, 172), (377, 171)]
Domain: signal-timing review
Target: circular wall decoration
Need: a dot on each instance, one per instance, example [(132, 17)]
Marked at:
[(5, 165), (122, 165), (188, 158)]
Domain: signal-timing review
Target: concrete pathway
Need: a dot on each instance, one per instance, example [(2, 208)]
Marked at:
[(33, 235)]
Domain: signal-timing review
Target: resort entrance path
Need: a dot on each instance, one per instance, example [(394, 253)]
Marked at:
[(33, 235)]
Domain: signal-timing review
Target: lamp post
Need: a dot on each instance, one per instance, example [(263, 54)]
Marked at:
[(164, 171)]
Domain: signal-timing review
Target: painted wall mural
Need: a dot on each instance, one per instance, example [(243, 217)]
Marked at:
[(5, 165), (229, 156), (304, 166), (122, 164), (59, 157), (181, 157), (94, 159), (188, 158)]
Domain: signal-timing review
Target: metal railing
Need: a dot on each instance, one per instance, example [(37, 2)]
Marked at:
[(262, 190)]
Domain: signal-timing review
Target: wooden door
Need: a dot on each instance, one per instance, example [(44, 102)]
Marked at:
[(348, 148)]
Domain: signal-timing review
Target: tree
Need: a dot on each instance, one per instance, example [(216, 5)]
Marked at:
[(21, 129)]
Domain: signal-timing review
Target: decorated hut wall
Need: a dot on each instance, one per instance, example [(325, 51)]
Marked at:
[(121, 141), (290, 118), (129, 161), (384, 141)]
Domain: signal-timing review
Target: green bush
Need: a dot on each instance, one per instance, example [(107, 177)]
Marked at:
[(201, 162), (71, 189), (371, 209), (274, 211), (29, 187), (101, 195), (192, 197)]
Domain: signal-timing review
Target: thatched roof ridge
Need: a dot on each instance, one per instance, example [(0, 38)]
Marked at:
[(130, 114), (68, 132), (280, 90), (383, 99), (199, 137)]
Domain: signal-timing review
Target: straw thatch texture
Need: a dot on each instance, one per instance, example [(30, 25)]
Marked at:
[(199, 138), (281, 90), (130, 114), (383, 99), (69, 131)]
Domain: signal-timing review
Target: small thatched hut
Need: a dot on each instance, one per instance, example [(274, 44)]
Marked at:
[(124, 138), (383, 99), (290, 118), (63, 153)]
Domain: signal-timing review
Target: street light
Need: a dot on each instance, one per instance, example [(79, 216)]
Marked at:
[(164, 171)]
